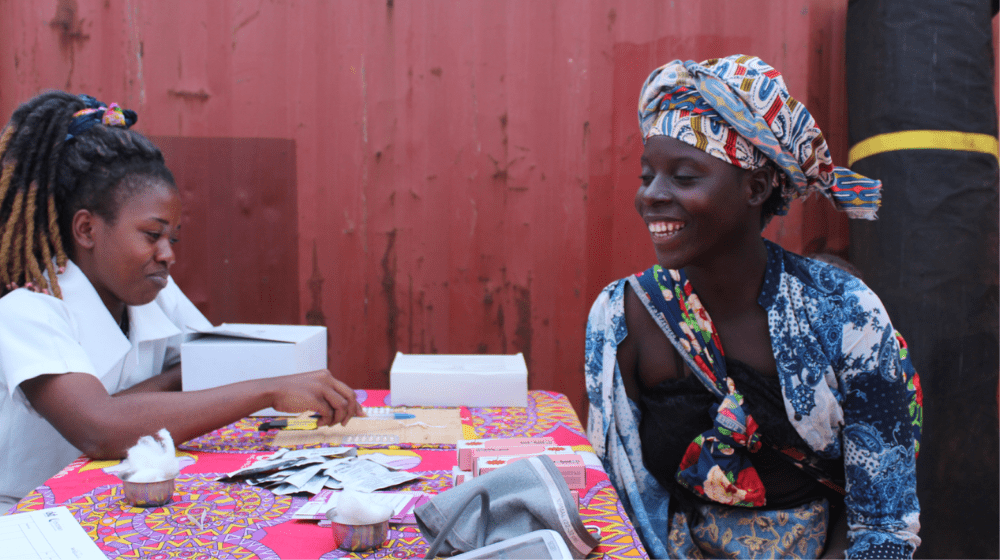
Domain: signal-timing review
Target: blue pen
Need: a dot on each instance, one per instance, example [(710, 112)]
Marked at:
[(385, 412), (383, 415), (380, 415)]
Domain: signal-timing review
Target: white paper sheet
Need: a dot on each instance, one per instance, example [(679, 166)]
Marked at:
[(46, 534), (401, 503)]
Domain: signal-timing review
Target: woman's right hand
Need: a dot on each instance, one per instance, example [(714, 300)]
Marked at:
[(318, 391)]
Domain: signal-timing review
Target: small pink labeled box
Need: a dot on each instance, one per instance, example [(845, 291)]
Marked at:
[(571, 466), (573, 469), (524, 441), (507, 450), (558, 449), (465, 447), (513, 450), (489, 464), (459, 476)]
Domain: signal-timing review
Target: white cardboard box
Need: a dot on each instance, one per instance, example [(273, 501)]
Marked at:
[(458, 380), (235, 352)]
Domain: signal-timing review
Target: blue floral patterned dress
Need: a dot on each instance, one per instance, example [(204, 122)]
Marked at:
[(845, 391)]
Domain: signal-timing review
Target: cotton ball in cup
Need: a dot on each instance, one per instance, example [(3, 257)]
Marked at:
[(152, 460), (354, 509)]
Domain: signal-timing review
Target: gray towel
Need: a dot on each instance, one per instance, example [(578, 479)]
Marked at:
[(525, 496)]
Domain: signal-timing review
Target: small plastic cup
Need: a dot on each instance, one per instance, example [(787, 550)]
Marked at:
[(357, 538)]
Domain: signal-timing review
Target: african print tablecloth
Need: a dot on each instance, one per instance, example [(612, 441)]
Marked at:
[(209, 519)]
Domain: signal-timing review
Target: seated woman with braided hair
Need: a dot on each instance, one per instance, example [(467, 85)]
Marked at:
[(90, 320), (738, 391)]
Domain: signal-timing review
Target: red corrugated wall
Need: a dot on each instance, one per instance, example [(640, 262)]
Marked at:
[(462, 172)]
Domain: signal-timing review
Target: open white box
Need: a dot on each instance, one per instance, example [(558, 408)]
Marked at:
[(235, 352), (459, 380)]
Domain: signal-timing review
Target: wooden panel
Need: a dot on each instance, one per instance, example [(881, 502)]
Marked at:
[(240, 217)]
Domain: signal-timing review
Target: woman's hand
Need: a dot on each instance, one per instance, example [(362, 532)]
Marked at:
[(318, 391)]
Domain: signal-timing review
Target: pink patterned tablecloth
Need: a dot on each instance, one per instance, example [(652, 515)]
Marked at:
[(209, 519)]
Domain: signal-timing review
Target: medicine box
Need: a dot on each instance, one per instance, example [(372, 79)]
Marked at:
[(458, 476), (477, 380), (235, 352), (517, 450), (571, 466), (465, 447), (511, 449)]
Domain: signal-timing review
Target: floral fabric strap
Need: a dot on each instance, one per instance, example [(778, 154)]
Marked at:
[(914, 393), (99, 113), (716, 465)]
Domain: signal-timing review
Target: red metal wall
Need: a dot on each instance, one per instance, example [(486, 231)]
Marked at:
[(462, 171)]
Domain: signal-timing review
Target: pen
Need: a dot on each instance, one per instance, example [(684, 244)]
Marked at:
[(397, 416), (383, 416)]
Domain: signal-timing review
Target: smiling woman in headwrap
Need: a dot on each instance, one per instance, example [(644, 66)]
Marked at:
[(738, 390)]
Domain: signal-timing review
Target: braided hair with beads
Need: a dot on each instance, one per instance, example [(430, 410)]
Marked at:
[(61, 153)]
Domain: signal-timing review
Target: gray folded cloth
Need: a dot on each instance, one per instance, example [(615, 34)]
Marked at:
[(524, 496)]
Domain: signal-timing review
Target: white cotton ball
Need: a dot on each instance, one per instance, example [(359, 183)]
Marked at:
[(354, 509), (166, 442), (153, 460), (146, 475), (166, 460), (140, 456)]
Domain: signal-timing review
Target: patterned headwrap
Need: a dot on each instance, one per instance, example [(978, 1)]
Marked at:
[(738, 110), (98, 113)]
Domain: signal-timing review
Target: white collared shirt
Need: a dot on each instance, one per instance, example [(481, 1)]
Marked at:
[(41, 334)]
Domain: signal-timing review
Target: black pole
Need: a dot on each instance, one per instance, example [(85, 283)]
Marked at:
[(919, 65)]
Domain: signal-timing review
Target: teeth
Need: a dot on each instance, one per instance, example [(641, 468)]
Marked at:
[(665, 227)]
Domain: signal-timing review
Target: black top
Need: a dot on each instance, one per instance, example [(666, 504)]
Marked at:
[(677, 410)]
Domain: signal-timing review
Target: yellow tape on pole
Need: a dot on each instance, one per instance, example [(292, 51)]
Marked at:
[(923, 140)]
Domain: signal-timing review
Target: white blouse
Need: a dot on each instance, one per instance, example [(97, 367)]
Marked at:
[(41, 334)]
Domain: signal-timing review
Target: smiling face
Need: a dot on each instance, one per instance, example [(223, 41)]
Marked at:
[(696, 205), (128, 259)]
